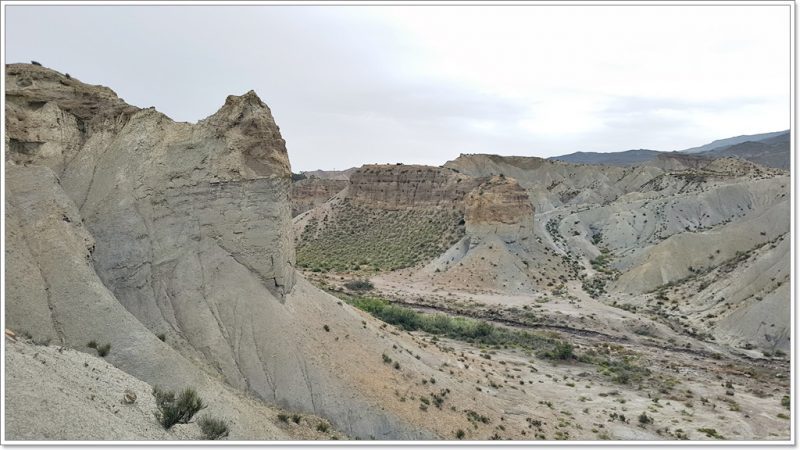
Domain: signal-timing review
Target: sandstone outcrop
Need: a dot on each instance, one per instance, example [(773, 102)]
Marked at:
[(403, 186), (499, 206), (310, 192)]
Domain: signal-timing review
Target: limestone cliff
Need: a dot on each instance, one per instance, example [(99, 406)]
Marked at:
[(400, 186)]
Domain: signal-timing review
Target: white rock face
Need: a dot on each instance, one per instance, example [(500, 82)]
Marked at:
[(124, 225)]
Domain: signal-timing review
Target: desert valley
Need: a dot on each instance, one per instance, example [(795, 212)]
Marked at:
[(622, 296)]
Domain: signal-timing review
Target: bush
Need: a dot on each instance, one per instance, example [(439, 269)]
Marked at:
[(173, 410), (296, 418), (283, 417), (622, 371), (92, 344), (460, 434), (710, 432), (322, 427), (359, 285), (466, 329), (644, 419), (561, 351), (213, 428), (104, 349)]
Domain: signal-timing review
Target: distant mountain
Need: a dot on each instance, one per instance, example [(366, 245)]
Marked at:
[(626, 158), (770, 152), (767, 149), (733, 141)]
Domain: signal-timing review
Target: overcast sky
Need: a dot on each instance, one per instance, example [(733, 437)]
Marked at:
[(350, 85)]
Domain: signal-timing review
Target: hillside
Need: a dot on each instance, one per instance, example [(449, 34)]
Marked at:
[(616, 232), (625, 158), (770, 152), (734, 140), (679, 267), (172, 242), (495, 297), (768, 149), (389, 217)]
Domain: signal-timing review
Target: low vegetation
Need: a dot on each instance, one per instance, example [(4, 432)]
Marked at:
[(465, 329), (213, 429), (369, 239), (103, 349), (180, 409), (710, 432), (359, 285)]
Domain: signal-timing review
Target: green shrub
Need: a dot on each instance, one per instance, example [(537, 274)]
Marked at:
[(296, 418), (710, 432), (561, 351), (322, 427), (283, 417), (465, 329), (622, 371), (460, 434), (172, 410), (213, 429), (359, 285), (92, 344), (104, 349)]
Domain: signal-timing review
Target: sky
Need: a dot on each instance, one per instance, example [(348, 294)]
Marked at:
[(351, 85)]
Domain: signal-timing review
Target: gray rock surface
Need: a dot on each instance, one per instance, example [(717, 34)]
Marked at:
[(140, 226)]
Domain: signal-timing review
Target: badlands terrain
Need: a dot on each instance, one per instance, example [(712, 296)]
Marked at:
[(494, 297)]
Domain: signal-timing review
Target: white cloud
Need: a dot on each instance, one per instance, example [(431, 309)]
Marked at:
[(350, 85)]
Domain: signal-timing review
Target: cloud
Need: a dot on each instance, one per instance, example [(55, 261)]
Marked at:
[(352, 85)]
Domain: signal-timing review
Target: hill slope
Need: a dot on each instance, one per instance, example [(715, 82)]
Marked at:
[(125, 226), (624, 158), (734, 140)]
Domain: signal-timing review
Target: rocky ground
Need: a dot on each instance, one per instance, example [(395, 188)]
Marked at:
[(57, 393), (680, 268), (693, 390)]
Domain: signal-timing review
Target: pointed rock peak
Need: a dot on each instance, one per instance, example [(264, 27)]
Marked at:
[(248, 98), (254, 147), (238, 108)]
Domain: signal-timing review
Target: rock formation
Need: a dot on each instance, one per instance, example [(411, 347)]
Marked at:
[(310, 192), (401, 186), (614, 230), (499, 206), (125, 225)]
